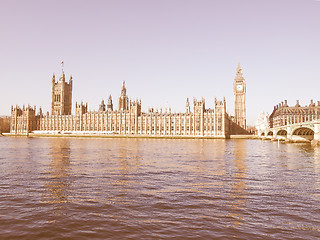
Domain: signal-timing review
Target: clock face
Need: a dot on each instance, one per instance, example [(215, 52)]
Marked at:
[(239, 87)]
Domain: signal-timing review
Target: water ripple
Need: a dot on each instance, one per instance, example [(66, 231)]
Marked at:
[(60, 188)]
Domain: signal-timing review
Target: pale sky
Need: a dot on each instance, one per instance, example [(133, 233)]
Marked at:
[(165, 50)]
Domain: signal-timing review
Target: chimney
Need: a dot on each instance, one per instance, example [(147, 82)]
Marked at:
[(318, 103), (297, 105), (285, 103)]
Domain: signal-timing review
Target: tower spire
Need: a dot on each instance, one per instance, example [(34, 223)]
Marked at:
[(239, 69)]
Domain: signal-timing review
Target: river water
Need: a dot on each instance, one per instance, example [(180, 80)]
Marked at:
[(73, 188)]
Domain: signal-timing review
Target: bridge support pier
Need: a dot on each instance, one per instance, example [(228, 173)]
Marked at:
[(289, 134), (316, 138), (274, 135)]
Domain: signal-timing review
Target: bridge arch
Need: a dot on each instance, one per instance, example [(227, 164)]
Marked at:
[(270, 133), (282, 132), (303, 133), (262, 134)]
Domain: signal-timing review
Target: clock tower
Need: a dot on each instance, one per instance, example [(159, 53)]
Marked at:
[(239, 89)]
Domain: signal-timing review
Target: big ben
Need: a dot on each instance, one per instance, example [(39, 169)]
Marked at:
[(239, 89)]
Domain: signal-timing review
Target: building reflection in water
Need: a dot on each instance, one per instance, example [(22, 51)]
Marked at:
[(206, 151), (292, 151), (238, 189), (58, 182), (212, 172), (127, 162), (197, 168), (314, 152), (129, 155), (316, 158)]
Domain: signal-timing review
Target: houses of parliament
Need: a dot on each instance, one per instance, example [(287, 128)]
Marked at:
[(128, 119)]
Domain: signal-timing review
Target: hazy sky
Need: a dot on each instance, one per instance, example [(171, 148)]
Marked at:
[(165, 50)]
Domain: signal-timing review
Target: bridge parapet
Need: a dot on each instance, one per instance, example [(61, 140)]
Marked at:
[(303, 131)]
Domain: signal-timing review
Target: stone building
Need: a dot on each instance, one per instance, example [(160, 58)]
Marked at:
[(284, 115), (129, 119), (24, 120), (263, 124)]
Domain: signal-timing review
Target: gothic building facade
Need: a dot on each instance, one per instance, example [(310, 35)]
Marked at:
[(61, 100), (128, 118)]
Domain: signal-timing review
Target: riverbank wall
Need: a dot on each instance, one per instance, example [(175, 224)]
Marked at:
[(130, 136)]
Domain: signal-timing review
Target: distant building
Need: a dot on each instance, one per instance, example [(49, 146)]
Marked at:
[(128, 119), (284, 115), (263, 124)]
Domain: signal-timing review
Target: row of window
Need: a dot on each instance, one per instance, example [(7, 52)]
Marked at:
[(117, 128), (284, 120)]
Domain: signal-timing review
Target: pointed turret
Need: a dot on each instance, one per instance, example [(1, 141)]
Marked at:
[(123, 99), (63, 77), (123, 89), (187, 106), (70, 80), (110, 104), (102, 106)]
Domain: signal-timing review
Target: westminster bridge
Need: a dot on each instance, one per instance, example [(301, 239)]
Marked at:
[(296, 132)]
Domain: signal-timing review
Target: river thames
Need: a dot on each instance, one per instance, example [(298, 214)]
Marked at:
[(86, 188)]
